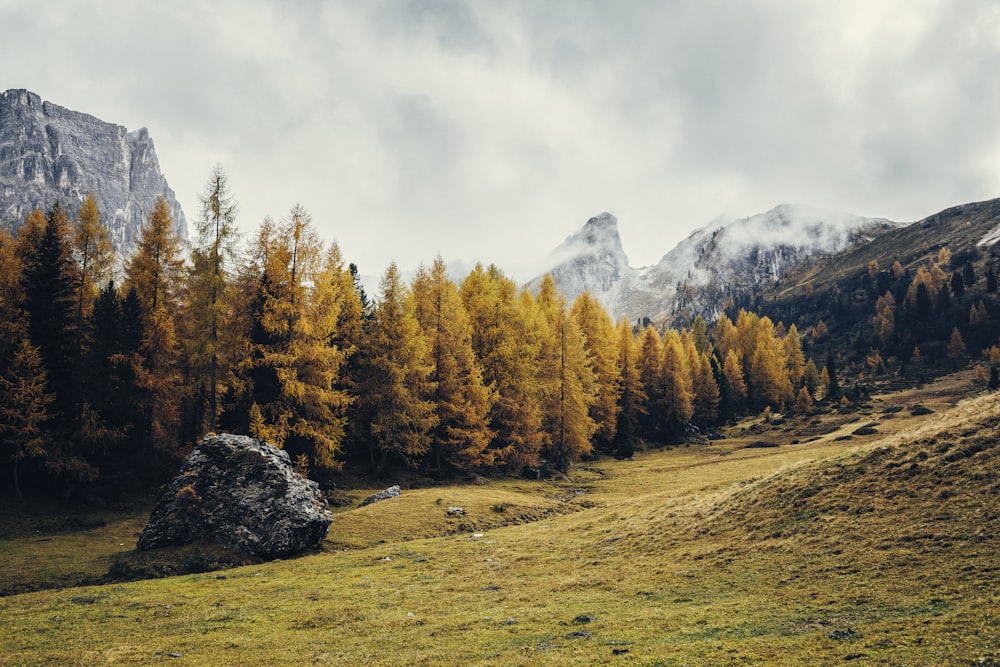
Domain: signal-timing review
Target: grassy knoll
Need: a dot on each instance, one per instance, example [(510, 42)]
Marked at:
[(878, 549)]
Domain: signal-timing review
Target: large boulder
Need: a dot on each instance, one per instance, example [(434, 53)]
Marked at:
[(243, 493)]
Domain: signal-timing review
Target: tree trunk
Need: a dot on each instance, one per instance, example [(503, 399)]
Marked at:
[(17, 481)]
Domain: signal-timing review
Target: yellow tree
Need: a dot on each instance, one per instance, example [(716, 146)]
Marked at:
[(154, 272), (291, 367), (209, 298), (600, 341), (734, 388), (885, 316), (395, 378), (725, 336), (650, 365), (678, 397), (462, 400), (94, 255), (705, 390), (632, 402), (507, 349), (24, 409), (568, 379), (795, 360), (12, 324), (769, 384)]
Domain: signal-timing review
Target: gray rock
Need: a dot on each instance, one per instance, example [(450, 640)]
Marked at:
[(243, 493), (391, 492), (49, 153)]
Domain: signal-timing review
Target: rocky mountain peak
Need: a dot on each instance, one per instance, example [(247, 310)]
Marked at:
[(50, 153), (722, 260), (591, 260)]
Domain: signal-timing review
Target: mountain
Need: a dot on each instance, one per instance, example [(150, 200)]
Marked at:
[(717, 262), (50, 153)]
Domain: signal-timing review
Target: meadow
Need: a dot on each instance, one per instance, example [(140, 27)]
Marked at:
[(865, 536)]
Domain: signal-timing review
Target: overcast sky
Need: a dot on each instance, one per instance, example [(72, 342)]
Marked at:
[(490, 131)]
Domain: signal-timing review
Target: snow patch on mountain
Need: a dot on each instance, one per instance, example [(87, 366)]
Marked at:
[(719, 261)]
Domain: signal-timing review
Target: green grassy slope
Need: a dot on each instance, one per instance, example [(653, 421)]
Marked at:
[(880, 549)]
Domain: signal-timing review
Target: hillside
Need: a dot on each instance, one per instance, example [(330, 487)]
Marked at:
[(877, 548), (957, 245)]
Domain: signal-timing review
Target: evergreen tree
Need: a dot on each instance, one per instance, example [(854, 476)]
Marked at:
[(632, 400), (705, 390), (154, 274), (768, 379), (94, 255), (735, 395), (462, 401), (568, 381), (12, 318), (49, 285), (507, 348), (24, 409), (677, 407), (291, 370), (600, 341), (832, 384), (209, 283), (395, 378), (650, 364)]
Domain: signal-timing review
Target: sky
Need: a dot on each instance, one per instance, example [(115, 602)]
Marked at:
[(489, 131)]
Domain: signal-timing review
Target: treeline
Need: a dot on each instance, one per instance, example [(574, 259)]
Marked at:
[(114, 380), (906, 324)]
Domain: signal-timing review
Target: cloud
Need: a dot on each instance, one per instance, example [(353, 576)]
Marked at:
[(492, 130)]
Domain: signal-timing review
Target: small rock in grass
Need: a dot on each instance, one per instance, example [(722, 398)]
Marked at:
[(391, 492), (584, 618)]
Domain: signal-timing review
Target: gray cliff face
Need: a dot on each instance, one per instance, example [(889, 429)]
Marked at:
[(49, 153), (592, 260)]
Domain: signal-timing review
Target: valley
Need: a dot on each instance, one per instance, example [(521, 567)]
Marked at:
[(872, 545)]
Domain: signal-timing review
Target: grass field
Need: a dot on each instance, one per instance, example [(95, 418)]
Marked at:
[(873, 549)]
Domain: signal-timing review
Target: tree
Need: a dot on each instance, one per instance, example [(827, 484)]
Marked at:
[(211, 259), (154, 273), (733, 389), (49, 282), (462, 400), (12, 318), (395, 378), (768, 380), (885, 316), (832, 385), (632, 399), (795, 361), (956, 346), (678, 396), (567, 378), (94, 255), (290, 371), (650, 366), (957, 285), (24, 409), (804, 401), (507, 347), (600, 342), (705, 390)]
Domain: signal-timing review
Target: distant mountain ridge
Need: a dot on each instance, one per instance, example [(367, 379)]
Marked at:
[(50, 153), (719, 261)]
